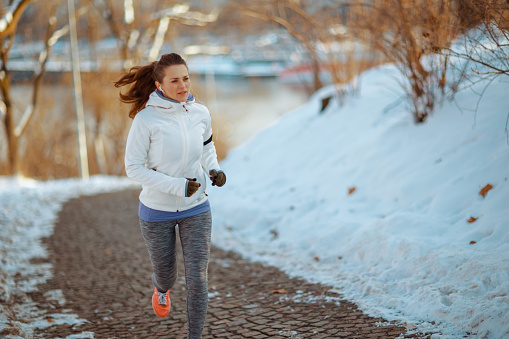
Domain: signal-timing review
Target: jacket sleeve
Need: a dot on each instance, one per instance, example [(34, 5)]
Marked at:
[(209, 156), (136, 154)]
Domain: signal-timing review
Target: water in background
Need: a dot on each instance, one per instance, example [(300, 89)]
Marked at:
[(240, 107)]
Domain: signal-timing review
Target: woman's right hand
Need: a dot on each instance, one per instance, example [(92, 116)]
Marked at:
[(192, 186)]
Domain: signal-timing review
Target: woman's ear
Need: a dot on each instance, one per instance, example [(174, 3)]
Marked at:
[(158, 85)]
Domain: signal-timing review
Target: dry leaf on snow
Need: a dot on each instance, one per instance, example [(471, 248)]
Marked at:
[(485, 190)]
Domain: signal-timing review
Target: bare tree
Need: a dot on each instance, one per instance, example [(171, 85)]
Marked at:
[(8, 24), (11, 14), (139, 29), (130, 30)]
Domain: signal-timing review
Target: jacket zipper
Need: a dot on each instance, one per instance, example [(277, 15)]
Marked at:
[(185, 150)]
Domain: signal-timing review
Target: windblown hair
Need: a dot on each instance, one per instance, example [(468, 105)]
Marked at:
[(143, 80)]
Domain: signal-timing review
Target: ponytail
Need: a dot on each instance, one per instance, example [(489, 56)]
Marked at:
[(143, 80), (143, 85)]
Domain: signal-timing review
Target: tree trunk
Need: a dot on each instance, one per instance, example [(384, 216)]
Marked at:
[(12, 139)]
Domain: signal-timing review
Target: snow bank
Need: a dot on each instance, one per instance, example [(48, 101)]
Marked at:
[(400, 245), (28, 211)]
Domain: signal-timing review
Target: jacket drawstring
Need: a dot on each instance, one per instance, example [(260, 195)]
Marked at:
[(187, 112)]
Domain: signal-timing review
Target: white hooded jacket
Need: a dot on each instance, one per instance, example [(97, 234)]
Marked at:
[(168, 142)]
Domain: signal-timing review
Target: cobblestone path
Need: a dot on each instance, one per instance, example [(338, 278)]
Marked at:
[(102, 267)]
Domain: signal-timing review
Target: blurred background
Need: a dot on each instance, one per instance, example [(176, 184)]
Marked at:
[(251, 61)]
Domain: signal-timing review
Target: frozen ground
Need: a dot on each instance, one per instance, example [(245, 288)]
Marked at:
[(400, 245)]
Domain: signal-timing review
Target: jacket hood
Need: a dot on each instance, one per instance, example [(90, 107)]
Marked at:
[(157, 99)]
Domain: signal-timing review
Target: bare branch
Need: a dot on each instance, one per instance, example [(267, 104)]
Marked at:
[(128, 12), (159, 38), (52, 37), (9, 21)]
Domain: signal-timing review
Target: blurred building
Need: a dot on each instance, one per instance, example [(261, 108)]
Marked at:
[(206, 5)]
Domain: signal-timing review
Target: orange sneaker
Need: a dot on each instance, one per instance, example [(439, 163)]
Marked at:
[(161, 303)]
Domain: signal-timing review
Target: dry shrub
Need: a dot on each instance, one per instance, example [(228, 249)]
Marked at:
[(108, 124), (486, 37), (304, 27), (332, 53), (220, 141), (222, 147), (344, 55), (48, 148), (473, 13), (412, 33), (487, 11), (4, 166)]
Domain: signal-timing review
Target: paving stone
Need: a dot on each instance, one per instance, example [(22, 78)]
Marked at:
[(97, 250)]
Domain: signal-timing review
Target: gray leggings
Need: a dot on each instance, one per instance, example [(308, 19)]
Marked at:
[(194, 234)]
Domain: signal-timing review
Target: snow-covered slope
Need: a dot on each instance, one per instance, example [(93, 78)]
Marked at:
[(400, 245)]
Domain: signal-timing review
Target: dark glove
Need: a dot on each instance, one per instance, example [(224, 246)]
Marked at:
[(218, 178), (192, 186)]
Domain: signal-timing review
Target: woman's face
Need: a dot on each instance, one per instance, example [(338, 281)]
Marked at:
[(176, 83)]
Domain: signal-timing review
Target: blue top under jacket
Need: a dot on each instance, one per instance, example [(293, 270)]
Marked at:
[(151, 215)]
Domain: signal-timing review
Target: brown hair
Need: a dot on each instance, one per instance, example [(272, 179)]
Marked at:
[(143, 80)]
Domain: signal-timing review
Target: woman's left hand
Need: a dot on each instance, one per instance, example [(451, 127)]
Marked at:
[(218, 178)]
